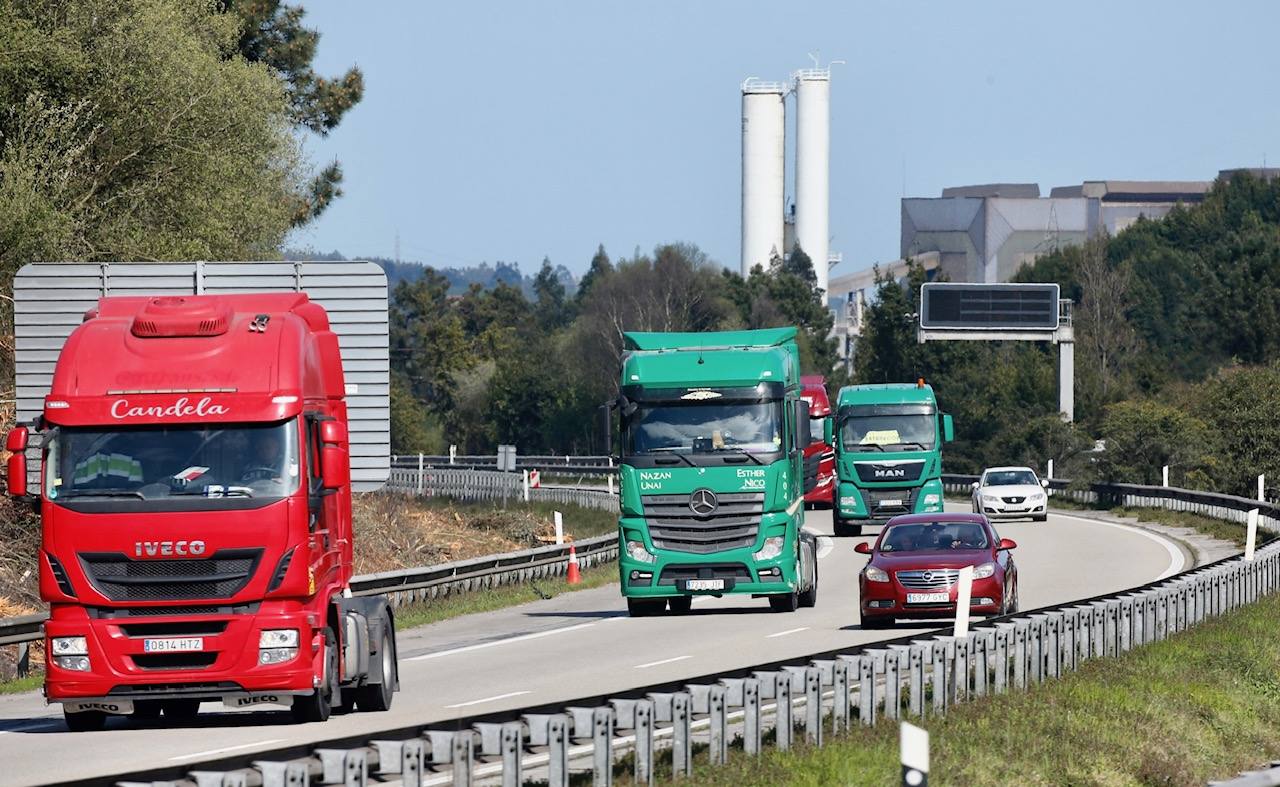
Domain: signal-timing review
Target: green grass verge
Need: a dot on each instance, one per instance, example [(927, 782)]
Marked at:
[(582, 522), (435, 611), (18, 685), (1215, 528), (1202, 705)]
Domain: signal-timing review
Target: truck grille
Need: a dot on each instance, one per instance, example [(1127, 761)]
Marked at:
[(157, 661), (881, 502), (930, 579), (121, 578), (732, 524), (734, 571)]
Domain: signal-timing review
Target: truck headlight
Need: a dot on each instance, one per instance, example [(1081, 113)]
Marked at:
[(983, 571), (73, 663), (70, 646), (636, 551), (932, 499), (874, 574), (276, 655), (278, 638), (771, 549)]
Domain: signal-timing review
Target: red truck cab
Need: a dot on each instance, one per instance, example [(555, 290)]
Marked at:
[(819, 456), (195, 499)]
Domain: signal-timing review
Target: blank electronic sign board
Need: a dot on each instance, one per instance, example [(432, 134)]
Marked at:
[(989, 306)]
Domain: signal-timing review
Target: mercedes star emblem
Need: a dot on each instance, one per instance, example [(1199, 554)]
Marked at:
[(703, 502)]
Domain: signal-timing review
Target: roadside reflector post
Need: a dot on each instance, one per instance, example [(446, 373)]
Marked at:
[(526, 485), (559, 519), (914, 744), (1164, 476), (1262, 495), (610, 480), (1252, 534), (963, 594), (1050, 470), (421, 464), (453, 453)]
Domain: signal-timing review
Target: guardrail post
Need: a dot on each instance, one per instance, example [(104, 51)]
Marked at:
[(940, 687), (982, 639), (1097, 629), (1035, 649), (867, 689), (784, 718), (463, 759), (899, 656), (283, 774), (1126, 624), (602, 746), (1004, 631), (551, 730), (637, 716), (24, 659), (841, 689), (812, 706), (915, 679), (1020, 630), (960, 673), (1070, 628), (751, 732)]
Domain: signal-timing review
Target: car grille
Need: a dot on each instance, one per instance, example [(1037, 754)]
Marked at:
[(876, 500), (734, 571), (674, 526), (1013, 500), (938, 578), (121, 578)]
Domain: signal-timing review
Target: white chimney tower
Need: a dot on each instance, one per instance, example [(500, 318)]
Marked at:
[(763, 172), (813, 168)]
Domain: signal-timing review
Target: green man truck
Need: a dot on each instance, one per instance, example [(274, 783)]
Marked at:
[(888, 454), (713, 431)]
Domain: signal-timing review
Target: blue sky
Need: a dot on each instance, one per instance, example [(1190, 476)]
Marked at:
[(517, 130)]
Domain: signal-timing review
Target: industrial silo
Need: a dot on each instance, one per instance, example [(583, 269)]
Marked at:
[(813, 161), (763, 171)]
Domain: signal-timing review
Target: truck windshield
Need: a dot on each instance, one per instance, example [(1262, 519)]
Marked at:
[(816, 429), (173, 461), (703, 428), (904, 432)]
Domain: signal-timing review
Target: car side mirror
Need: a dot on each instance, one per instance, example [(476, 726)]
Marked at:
[(1007, 543), (948, 429), (16, 445), (862, 548), (335, 461), (1044, 482), (829, 430), (974, 486)]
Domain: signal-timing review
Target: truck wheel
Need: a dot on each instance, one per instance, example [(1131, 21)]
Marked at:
[(318, 705), (376, 697), (680, 605), (645, 607), (147, 709), (845, 527), (85, 721), (181, 710), (809, 597), (786, 602)]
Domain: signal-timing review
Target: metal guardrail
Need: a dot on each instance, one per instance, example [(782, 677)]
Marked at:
[(491, 485), (1267, 777), (810, 697)]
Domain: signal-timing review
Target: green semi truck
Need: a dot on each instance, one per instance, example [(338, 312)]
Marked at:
[(888, 454), (713, 431)]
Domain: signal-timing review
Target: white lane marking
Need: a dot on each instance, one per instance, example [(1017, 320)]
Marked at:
[(788, 631), (613, 619), (509, 640), (1177, 560), (663, 661), (825, 545), (28, 727), (494, 698), (224, 749)]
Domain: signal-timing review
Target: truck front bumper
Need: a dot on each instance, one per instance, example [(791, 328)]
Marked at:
[(873, 505), (219, 656)]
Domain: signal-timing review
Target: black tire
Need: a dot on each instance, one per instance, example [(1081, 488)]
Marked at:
[(785, 602), (181, 710), (680, 605), (1041, 518), (318, 705), (845, 528), (645, 607), (873, 624), (376, 697), (1013, 605), (85, 721), (809, 598), (147, 710)]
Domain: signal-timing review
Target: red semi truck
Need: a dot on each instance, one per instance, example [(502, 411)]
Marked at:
[(195, 495), (819, 457)]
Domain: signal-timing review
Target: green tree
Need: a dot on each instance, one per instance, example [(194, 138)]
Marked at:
[(427, 343), (272, 33), (1144, 436), (552, 306), (600, 267), (1239, 407)]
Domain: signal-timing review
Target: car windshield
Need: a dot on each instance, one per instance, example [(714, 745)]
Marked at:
[(933, 536), (162, 462), (703, 428), (864, 433), (1011, 478)]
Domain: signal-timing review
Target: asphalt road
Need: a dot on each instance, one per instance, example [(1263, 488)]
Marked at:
[(578, 644)]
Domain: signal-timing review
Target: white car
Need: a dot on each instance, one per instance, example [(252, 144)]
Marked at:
[(1011, 493)]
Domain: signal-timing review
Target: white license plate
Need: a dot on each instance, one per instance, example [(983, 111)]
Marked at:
[(928, 598), (173, 644), (704, 584), (890, 503)]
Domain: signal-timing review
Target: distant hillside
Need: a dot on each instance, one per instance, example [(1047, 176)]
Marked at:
[(460, 279)]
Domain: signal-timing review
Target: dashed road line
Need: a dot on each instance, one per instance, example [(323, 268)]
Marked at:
[(481, 701), (208, 752), (663, 661)]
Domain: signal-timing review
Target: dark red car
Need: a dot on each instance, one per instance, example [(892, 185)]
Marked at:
[(915, 566)]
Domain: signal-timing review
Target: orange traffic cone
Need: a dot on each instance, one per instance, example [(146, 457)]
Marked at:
[(574, 576)]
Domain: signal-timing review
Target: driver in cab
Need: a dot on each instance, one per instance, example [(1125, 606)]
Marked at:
[(264, 466)]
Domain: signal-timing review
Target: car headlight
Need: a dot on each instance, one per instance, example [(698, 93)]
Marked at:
[(278, 638), (771, 549), (636, 551), (983, 571), (874, 574), (70, 646), (990, 499), (1038, 496)]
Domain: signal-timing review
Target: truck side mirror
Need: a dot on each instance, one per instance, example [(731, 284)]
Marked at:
[(829, 430), (335, 462), (801, 427), (948, 429), (16, 444), (606, 428)]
